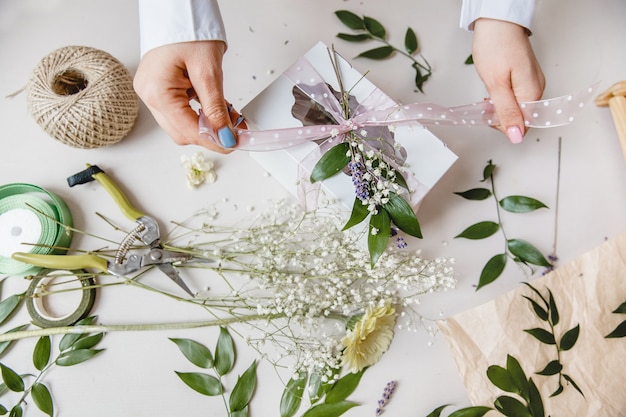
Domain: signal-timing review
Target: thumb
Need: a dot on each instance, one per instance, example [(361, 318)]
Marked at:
[(509, 114)]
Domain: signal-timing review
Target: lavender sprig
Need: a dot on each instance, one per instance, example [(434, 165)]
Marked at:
[(387, 392)]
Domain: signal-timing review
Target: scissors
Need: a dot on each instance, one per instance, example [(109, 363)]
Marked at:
[(124, 262)]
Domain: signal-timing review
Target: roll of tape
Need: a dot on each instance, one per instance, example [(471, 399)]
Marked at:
[(42, 286), (32, 220)]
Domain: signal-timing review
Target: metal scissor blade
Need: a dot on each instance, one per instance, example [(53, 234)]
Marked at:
[(169, 270)]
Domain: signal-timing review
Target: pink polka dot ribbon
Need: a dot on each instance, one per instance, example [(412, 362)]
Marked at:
[(378, 110)]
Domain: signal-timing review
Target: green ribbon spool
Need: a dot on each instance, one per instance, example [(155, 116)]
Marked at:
[(32, 220)]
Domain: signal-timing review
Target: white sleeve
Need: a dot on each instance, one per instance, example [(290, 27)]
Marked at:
[(162, 22), (516, 11)]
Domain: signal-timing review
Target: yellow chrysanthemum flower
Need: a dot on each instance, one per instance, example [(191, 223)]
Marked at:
[(370, 338)]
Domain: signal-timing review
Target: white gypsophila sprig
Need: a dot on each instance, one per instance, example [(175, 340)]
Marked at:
[(199, 169), (306, 278)]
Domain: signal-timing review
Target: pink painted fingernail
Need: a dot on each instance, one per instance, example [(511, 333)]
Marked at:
[(514, 134)]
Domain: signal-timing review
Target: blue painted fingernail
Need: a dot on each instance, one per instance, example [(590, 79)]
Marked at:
[(226, 137)]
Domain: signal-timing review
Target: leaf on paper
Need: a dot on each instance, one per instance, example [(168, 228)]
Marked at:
[(511, 407), (569, 338), (488, 171), (501, 378), (479, 230), (542, 335), (12, 380), (202, 383), (292, 395), (492, 270), (329, 410), (552, 368), (74, 357), (477, 411), (350, 19), (410, 42), (195, 352), (571, 381), (243, 390), (619, 331), (343, 387), (359, 37), (475, 194), (42, 398), (41, 353), (374, 27), (224, 352), (539, 311), (520, 204), (527, 253), (381, 52)]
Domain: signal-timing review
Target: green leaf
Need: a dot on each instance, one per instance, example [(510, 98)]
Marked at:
[(542, 335), (469, 60), (552, 368), (329, 410), (8, 306), (42, 398), (402, 215), (195, 352), (477, 411), (539, 310), (535, 403), (488, 171), (332, 162), (571, 381), (358, 214), (501, 378), (511, 407), (538, 293), (554, 311), (377, 53), (410, 41), (569, 338), (240, 413), (557, 391), (88, 342), (202, 383), (16, 411), (316, 387), (475, 194), (360, 37), (243, 390), (13, 381), (518, 376), (292, 395), (437, 411), (480, 230), (378, 235), (350, 19), (74, 357), (527, 253), (6, 344), (343, 387), (492, 270), (3, 410), (224, 352), (68, 340), (621, 309), (374, 27), (41, 353), (619, 331), (520, 204)]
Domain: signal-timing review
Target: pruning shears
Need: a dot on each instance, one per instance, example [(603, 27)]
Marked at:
[(125, 261)]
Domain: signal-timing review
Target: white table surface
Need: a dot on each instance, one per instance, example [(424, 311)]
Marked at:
[(578, 42)]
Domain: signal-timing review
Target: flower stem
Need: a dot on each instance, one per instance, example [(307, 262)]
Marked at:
[(133, 327)]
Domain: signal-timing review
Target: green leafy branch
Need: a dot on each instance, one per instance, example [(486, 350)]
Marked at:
[(547, 311), (73, 349), (367, 28), (377, 185), (620, 330), (222, 363), (518, 250), (510, 379), (328, 399)]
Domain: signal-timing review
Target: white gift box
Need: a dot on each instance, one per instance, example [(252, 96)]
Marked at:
[(427, 157)]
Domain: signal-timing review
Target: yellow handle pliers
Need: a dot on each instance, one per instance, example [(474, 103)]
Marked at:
[(147, 231)]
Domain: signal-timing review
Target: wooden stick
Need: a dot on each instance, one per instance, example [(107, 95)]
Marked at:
[(615, 98)]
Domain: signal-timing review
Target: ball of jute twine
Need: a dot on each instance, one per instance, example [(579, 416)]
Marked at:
[(83, 97)]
